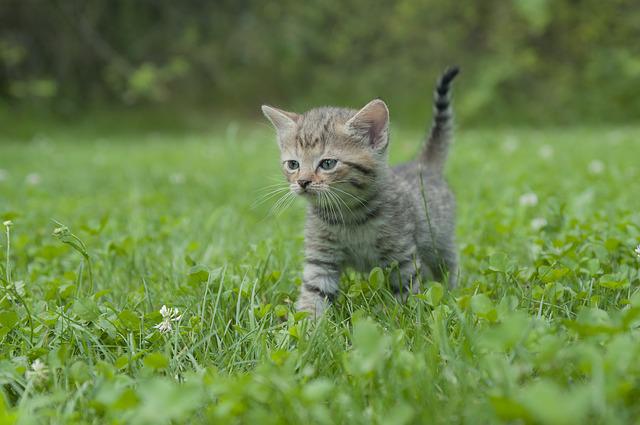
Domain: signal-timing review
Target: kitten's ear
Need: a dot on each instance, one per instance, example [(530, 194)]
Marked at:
[(283, 121), (372, 123)]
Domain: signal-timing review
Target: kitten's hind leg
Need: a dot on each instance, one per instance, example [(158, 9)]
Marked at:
[(405, 279), (444, 266)]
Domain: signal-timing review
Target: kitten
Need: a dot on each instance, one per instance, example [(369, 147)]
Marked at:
[(362, 213)]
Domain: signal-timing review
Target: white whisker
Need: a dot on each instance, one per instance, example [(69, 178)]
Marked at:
[(357, 198), (264, 198), (274, 209), (333, 196)]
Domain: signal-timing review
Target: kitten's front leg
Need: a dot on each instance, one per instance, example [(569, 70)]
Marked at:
[(319, 284)]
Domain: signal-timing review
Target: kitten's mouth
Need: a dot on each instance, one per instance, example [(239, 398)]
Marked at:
[(302, 191), (308, 192)]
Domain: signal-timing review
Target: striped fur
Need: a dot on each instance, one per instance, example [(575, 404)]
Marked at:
[(435, 151), (361, 212)]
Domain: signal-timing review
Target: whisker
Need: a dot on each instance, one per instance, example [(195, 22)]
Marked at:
[(278, 203), (292, 199), (343, 202), (351, 181), (330, 203), (333, 196), (326, 206), (323, 207), (275, 178), (357, 198), (271, 186), (341, 182), (272, 190), (264, 198), (340, 200), (367, 178), (285, 204)]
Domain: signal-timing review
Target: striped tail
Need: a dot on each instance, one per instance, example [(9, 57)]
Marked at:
[(434, 153)]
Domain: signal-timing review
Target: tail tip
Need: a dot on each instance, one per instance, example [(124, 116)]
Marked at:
[(449, 74)]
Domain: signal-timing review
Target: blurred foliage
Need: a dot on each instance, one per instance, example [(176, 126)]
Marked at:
[(524, 60)]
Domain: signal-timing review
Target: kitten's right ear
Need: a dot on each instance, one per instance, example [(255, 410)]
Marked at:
[(282, 121)]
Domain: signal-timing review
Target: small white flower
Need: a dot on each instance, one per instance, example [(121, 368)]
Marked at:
[(546, 151), (637, 251), (164, 326), (169, 315), (177, 178), (596, 167), (535, 249), (538, 223), (510, 144), (170, 312), (529, 200), (4, 175), (38, 372), (33, 179), (41, 140), (7, 223)]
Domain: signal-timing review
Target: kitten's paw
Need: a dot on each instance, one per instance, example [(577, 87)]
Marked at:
[(312, 304), (403, 295)]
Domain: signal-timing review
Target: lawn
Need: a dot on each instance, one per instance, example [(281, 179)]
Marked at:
[(107, 228)]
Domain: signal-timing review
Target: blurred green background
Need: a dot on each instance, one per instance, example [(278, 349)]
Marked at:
[(525, 62)]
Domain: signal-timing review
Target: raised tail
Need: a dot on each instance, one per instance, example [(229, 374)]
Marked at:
[(435, 151)]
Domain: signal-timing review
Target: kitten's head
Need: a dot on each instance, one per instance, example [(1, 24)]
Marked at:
[(332, 149)]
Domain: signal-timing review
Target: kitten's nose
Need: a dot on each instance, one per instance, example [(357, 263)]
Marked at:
[(304, 183)]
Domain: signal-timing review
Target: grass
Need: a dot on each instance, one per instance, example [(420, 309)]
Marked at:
[(108, 229)]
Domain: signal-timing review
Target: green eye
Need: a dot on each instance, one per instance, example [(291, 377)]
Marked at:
[(292, 164), (327, 164)]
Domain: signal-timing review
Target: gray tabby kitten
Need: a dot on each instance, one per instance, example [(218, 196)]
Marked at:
[(362, 213)]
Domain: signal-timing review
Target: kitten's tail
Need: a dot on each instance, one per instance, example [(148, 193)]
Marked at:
[(435, 151)]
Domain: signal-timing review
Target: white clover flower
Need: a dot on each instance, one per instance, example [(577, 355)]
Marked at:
[(33, 179), (637, 251), (4, 175), (596, 167), (538, 223), (510, 144), (545, 151), (177, 178), (535, 249), (38, 372), (169, 315), (529, 199), (41, 140)]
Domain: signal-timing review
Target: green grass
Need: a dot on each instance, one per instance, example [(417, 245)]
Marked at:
[(543, 329)]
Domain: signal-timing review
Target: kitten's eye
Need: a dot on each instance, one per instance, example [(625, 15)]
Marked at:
[(292, 165), (327, 164)]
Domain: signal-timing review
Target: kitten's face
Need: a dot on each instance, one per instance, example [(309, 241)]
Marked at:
[(313, 161), (329, 154)]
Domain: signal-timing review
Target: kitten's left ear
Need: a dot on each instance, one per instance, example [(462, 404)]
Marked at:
[(372, 123)]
